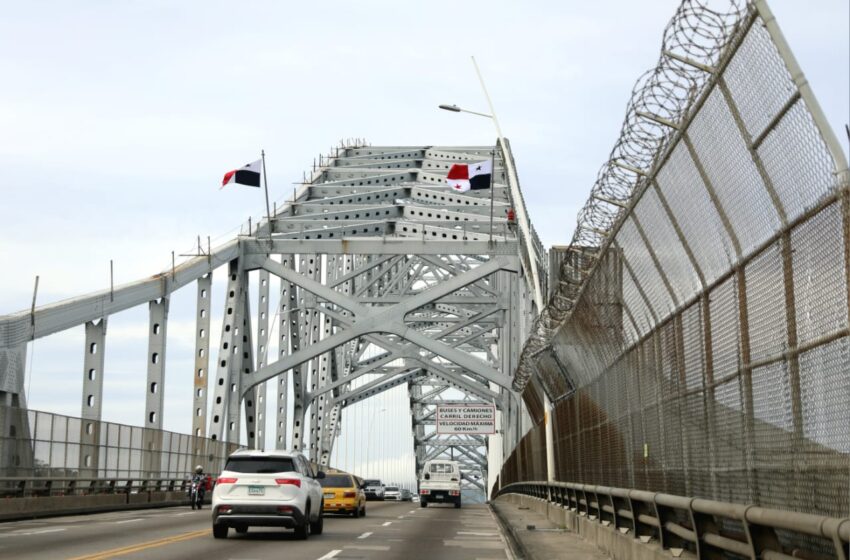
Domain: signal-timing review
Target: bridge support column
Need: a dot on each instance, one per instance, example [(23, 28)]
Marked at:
[(156, 363), (262, 356), (92, 398), (202, 358), (222, 391), (154, 389), (246, 366), (16, 452), (287, 302), (550, 438)]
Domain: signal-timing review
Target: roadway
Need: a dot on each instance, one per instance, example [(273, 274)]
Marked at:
[(390, 531)]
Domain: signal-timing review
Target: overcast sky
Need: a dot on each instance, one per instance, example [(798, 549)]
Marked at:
[(119, 118)]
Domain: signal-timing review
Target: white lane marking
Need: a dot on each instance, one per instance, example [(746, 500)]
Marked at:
[(475, 534), (330, 554), (42, 531), (412, 511), (364, 535), (387, 524), (184, 513), (129, 521), (27, 533)]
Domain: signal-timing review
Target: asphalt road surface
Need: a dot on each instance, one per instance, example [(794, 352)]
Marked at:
[(390, 530)]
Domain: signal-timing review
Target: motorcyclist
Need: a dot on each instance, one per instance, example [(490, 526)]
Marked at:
[(200, 479)]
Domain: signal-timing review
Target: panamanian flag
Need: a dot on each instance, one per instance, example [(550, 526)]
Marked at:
[(248, 175), (463, 177)]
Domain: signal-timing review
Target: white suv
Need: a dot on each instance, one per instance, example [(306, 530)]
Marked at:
[(267, 489)]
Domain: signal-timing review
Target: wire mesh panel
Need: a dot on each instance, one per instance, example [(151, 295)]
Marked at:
[(707, 337), (53, 449)]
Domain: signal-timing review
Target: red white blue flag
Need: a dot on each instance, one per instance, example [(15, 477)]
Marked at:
[(463, 177)]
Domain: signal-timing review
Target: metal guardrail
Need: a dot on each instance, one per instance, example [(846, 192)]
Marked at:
[(681, 523), (20, 487)]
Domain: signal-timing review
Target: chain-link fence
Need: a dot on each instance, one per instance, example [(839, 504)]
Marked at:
[(705, 325), (44, 445)]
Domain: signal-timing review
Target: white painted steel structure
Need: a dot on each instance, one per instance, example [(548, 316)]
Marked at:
[(387, 278)]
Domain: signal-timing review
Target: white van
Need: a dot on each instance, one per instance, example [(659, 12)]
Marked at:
[(439, 483)]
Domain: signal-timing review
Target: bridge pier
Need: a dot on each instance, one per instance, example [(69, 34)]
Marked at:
[(202, 356), (92, 397)]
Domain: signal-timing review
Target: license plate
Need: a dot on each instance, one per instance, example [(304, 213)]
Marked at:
[(329, 496), (256, 490), (439, 496)]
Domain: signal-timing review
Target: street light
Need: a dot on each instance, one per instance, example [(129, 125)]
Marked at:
[(513, 185), (456, 109)]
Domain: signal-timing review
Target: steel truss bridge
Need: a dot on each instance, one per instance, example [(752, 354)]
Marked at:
[(387, 277), (684, 358)]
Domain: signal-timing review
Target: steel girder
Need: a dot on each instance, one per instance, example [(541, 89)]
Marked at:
[(375, 252)]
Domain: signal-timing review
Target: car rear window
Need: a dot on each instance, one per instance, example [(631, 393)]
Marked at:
[(336, 481), (260, 465), (372, 482), (442, 468)]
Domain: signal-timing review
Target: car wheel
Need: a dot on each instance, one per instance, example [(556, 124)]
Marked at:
[(317, 526), (355, 513), (457, 504), (363, 513), (423, 503), (220, 531), (303, 531)]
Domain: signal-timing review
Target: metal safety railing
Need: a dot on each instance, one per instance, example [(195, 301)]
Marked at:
[(707, 528), (27, 487)]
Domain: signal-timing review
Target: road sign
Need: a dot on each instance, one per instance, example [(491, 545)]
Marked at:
[(466, 419)]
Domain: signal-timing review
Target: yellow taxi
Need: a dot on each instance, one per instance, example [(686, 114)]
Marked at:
[(343, 493)]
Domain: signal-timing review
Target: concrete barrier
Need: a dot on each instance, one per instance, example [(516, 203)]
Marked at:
[(617, 545), (608, 539), (31, 508)]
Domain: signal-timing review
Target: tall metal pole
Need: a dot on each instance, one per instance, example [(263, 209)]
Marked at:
[(266, 188), (492, 189), (517, 199)]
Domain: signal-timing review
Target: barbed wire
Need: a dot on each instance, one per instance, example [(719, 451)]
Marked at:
[(696, 36)]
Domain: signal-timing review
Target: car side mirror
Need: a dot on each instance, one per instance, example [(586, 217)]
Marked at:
[(427, 476), (320, 474)]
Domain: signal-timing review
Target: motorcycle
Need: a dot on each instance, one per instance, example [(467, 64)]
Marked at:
[(196, 494)]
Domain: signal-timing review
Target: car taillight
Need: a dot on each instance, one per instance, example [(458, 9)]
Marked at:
[(224, 509), (292, 481), (454, 493), (284, 509), (225, 480), (424, 492), (349, 494)]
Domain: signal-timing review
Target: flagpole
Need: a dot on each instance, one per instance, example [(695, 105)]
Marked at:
[(492, 188), (266, 188)]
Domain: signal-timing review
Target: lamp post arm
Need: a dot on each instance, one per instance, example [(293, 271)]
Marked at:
[(477, 113)]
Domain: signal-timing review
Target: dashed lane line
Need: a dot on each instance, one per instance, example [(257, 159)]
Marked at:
[(477, 534), (330, 554), (365, 535), (387, 524), (25, 532), (129, 521)]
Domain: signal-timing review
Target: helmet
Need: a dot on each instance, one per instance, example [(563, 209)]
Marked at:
[(199, 469)]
